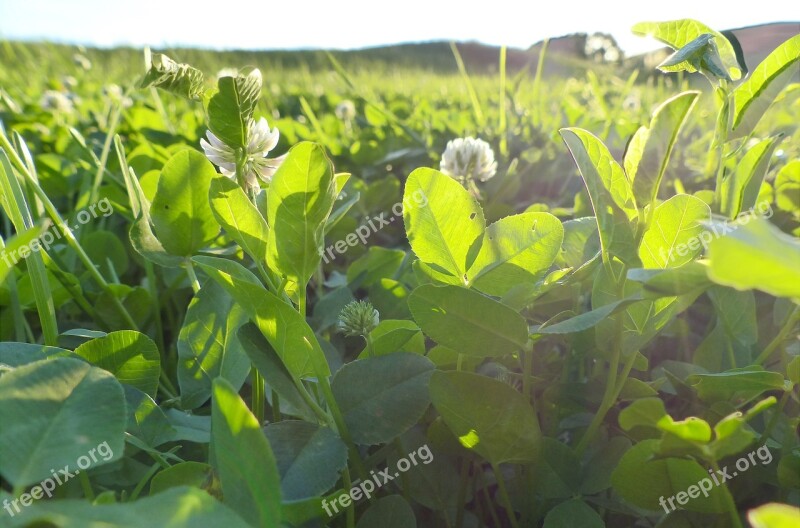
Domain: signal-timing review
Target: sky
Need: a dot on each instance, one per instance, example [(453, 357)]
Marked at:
[(349, 24)]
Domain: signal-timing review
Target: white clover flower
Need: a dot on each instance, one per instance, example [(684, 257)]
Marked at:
[(468, 159), (56, 101), (346, 110), (82, 61), (115, 93), (68, 81), (260, 141), (633, 103)]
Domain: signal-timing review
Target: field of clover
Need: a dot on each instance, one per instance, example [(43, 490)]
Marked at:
[(277, 297)]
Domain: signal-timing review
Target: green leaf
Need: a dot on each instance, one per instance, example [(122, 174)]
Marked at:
[(679, 33), (597, 471), (581, 242), (12, 247), (559, 473), (487, 416), (390, 298), (378, 263), (141, 233), (190, 427), (240, 219), (745, 382), (180, 211), (177, 78), (759, 256), (445, 229), (752, 98), (55, 411), (146, 420), (642, 480), (692, 429), (609, 190), (309, 457), (466, 321), (516, 250), (432, 481), (382, 397), (180, 507), (793, 370), (391, 511), (299, 200), (194, 474), (701, 54), (285, 329), (732, 435), (589, 319), (736, 312), (740, 189), (243, 459), (674, 237), (787, 188), (130, 356), (648, 152), (270, 366), (208, 347), (230, 110), (145, 243), (18, 354), (393, 335), (573, 513), (690, 277), (646, 412), (774, 515)]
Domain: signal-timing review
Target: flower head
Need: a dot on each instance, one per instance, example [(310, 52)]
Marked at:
[(56, 101), (116, 95), (260, 141), (346, 110), (358, 318), (82, 61), (468, 159)]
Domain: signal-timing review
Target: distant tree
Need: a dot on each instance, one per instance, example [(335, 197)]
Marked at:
[(601, 47)]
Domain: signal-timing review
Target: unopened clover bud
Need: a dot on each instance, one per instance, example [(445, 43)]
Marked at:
[(358, 318)]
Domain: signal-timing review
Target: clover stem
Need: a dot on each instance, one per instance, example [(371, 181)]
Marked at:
[(527, 390), (192, 275), (462, 494), (501, 484), (784, 332), (718, 145), (276, 407), (370, 348), (341, 426), (773, 421), (732, 511), (351, 508), (613, 386), (258, 397), (489, 501), (86, 484)]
